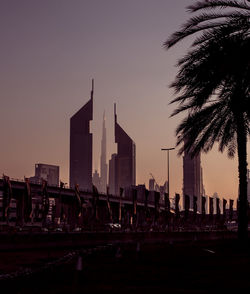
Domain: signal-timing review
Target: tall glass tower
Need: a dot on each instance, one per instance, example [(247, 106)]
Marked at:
[(104, 166), (81, 142)]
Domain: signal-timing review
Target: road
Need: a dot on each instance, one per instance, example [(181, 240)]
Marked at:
[(215, 266)]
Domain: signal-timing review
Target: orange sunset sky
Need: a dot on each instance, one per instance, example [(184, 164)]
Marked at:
[(50, 51)]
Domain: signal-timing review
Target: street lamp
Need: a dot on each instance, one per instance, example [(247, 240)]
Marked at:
[(168, 149)]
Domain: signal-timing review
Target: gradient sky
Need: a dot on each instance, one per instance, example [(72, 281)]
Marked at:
[(50, 50)]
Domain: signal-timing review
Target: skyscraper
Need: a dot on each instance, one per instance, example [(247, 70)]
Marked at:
[(81, 146), (151, 184), (192, 179), (96, 180), (112, 174), (47, 172), (104, 167), (248, 186), (125, 158)]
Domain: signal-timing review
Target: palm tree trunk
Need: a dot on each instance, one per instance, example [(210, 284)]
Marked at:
[(242, 169)]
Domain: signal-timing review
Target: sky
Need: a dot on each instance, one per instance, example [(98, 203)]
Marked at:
[(50, 51)]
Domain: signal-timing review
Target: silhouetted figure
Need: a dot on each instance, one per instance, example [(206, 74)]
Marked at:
[(177, 210), (118, 254), (109, 207), (134, 195), (147, 214), (224, 208), (211, 208), (195, 205), (231, 204), (61, 206), (167, 204), (218, 208), (77, 209), (45, 203), (120, 206), (187, 205), (167, 210), (7, 196), (157, 206), (95, 202), (27, 201), (203, 206)]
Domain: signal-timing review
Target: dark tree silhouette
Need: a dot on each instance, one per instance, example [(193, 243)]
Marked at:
[(215, 15), (213, 85)]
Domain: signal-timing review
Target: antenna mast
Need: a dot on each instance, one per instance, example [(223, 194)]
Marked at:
[(115, 113), (92, 90)]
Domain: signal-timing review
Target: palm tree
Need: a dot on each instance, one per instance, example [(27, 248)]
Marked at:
[(213, 85), (236, 21)]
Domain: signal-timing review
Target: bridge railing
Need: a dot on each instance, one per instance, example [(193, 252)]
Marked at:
[(64, 210)]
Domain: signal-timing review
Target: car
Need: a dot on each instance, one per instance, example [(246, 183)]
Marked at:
[(113, 226), (232, 226)]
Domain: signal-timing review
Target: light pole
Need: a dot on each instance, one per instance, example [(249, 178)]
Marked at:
[(168, 149)]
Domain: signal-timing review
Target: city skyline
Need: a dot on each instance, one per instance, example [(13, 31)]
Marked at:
[(46, 71)]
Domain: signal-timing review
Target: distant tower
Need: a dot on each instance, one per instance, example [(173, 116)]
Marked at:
[(81, 146), (112, 174), (96, 180), (125, 158), (104, 167), (192, 179), (151, 184), (47, 172)]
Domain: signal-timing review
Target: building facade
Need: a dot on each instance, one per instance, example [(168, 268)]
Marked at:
[(125, 173), (81, 142), (151, 185), (104, 166), (192, 179), (112, 174), (96, 180), (47, 172)]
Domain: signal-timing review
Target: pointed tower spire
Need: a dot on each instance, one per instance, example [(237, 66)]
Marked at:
[(115, 113), (104, 126), (92, 90), (81, 144)]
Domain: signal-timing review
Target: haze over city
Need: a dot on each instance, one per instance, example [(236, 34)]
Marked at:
[(50, 52), (95, 195)]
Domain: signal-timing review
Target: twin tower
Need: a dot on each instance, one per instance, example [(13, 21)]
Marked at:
[(121, 165)]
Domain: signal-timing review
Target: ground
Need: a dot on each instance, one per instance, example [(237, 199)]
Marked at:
[(194, 267)]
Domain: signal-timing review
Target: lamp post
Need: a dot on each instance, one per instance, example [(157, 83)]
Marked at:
[(168, 149)]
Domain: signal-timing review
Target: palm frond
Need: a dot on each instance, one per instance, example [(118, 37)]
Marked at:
[(230, 28), (199, 5), (197, 128), (196, 20), (232, 147), (179, 35)]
